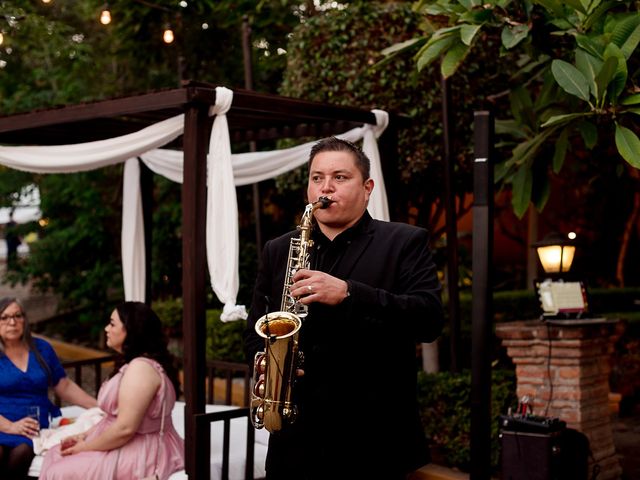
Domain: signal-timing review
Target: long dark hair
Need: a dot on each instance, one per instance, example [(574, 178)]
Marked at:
[(27, 339), (145, 338)]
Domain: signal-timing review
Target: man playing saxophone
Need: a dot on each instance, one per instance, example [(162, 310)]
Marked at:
[(372, 294)]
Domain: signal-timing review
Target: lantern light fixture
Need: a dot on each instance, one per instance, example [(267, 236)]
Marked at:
[(556, 252)]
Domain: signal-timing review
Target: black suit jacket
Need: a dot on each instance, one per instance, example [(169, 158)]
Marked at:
[(358, 393)]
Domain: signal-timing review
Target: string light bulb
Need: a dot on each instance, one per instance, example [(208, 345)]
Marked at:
[(1, 38), (167, 35), (46, 1), (105, 16)]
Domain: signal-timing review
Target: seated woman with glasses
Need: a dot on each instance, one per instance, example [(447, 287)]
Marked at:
[(29, 367)]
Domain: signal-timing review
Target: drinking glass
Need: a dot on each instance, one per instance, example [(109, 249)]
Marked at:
[(34, 412)]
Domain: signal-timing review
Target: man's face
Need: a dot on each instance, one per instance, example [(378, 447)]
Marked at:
[(335, 175)]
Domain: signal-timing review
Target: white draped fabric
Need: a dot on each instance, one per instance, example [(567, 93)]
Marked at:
[(224, 172)]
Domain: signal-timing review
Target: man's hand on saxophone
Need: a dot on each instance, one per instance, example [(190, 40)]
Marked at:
[(315, 286)]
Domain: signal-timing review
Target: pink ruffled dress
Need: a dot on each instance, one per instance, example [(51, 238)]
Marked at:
[(137, 458)]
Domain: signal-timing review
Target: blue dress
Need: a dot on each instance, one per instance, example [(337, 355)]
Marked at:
[(19, 390)]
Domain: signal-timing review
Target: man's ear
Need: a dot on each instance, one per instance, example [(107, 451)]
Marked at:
[(368, 185)]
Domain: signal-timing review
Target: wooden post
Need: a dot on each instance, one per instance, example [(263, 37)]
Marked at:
[(197, 127)]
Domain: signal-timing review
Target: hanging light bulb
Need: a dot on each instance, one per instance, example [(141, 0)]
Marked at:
[(1, 38), (105, 16), (46, 1), (167, 36)]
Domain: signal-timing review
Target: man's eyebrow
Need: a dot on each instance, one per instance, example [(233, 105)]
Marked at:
[(333, 172)]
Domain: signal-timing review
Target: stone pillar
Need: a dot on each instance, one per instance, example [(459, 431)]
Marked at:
[(563, 366)]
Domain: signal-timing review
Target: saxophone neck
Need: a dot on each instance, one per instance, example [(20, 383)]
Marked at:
[(307, 216)]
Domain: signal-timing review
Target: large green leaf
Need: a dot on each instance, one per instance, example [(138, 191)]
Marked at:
[(570, 79), (597, 11), (628, 145), (589, 66), (525, 152), (402, 46), (560, 151), (509, 127), (590, 46), (557, 120), (521, 190), (631, 44), (501, 170), (606, 75), (433, 49), (469, 4), (522, 107), (468, 33), (626, 34), (619, 81), (576, 4), (453, 59), (631, 99), (513, 35)]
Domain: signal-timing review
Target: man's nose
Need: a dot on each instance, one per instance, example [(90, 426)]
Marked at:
[(327, 185)]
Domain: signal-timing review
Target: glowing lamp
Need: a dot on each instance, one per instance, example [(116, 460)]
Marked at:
[(105, 17), (555, 252), (167, 35)]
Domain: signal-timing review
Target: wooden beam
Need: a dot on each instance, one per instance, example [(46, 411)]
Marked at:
[(101, 109)]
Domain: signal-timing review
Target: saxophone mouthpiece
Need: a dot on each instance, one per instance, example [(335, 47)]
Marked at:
[(325, 202)]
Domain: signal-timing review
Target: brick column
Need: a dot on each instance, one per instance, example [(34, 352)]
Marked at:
[(563, 366)]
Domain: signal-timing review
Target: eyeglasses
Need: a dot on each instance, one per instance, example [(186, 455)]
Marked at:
[(16, 316)]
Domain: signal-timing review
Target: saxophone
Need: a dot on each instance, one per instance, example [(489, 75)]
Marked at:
[(275, 368)]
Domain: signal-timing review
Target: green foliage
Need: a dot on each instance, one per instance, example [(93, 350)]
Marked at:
[(166, 246), (170, 313), (74, 254), (224, 339), (578, 61), (445, 407), (336, 58)]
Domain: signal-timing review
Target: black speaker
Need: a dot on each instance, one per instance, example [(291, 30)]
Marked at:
[(528, 456), (559, 455)]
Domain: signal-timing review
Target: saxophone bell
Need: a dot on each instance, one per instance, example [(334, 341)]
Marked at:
[(274, 371)]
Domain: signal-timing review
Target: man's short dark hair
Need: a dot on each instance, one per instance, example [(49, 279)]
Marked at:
[(333, 144)]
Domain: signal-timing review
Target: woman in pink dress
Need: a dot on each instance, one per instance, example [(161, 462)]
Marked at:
[(136, 439)]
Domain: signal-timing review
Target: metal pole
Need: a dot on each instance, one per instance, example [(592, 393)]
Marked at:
[(452, 230), (482, 309)]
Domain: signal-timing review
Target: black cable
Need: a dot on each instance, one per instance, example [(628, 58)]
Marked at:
[(546, 409)]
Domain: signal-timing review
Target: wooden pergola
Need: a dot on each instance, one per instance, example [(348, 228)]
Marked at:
[(252, 117)]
